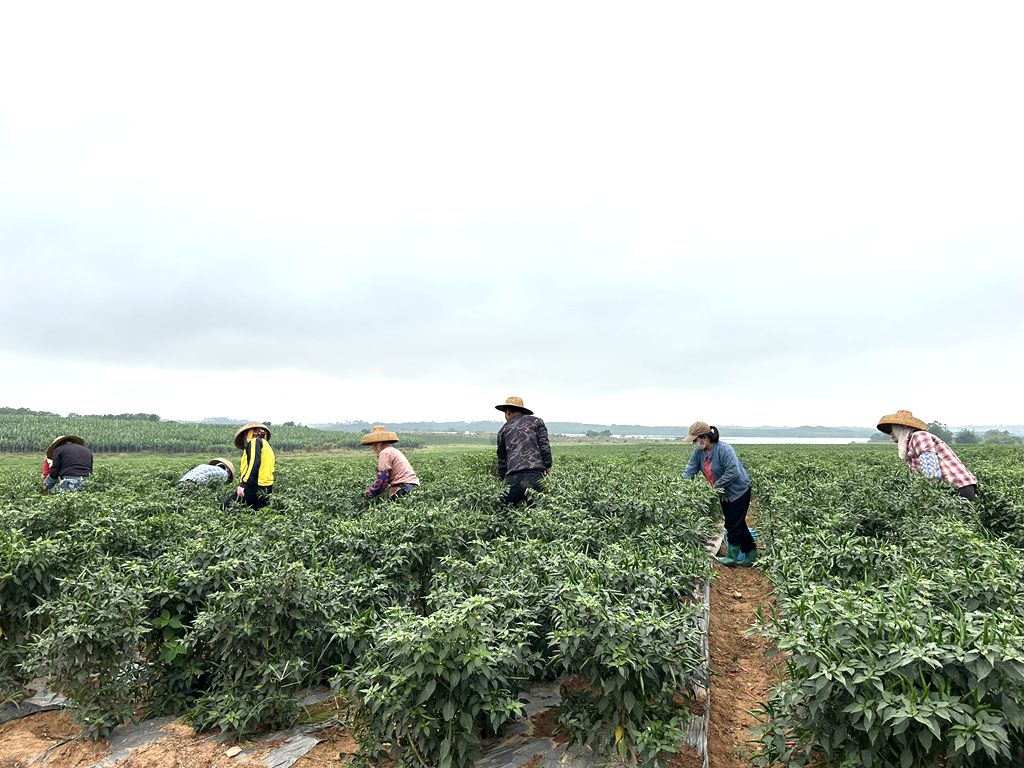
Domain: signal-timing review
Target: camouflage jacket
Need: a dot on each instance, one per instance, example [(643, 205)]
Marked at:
[(523, 445)]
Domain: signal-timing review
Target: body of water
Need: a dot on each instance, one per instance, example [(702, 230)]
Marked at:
[(795, 440), (762, 440)]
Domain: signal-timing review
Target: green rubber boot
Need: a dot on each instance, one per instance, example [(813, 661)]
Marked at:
[(746, 559), (731, 553)]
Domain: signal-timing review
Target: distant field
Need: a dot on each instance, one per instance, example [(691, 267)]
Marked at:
[(32, 434)]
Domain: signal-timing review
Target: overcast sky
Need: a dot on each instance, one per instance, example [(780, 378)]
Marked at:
[(745, 213)]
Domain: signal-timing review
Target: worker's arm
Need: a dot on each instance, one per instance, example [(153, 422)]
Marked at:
[(693, 466), (383, 478), (544, 444), (502, 456)]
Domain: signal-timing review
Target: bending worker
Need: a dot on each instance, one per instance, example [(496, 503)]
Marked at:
[(71, 463), (394, 472), (524, 453), (925, 453), (722, 468), (256, 478), (214, 471)]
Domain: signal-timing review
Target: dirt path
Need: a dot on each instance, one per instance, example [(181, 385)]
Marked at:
[(21, 740), (741, 675)]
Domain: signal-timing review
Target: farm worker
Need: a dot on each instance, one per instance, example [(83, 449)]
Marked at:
[(71, 463), (722, 468), (394, 472), (925, 453), (524, 453), (256, 478), (214, 471)]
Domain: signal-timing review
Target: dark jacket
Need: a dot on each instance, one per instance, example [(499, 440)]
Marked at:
[(71, 460), (523, 445)]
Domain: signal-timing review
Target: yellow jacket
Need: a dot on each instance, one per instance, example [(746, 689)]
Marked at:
[(257, 464)]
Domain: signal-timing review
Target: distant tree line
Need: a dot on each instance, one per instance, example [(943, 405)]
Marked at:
[(964, 436), (121, 416)]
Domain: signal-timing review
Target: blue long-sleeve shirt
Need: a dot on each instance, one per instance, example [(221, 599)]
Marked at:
[(726, 468)]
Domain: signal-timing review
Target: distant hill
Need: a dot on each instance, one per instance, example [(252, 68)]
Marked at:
[(579, 428)]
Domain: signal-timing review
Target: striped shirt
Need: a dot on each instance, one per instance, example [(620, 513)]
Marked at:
[(953, 470)]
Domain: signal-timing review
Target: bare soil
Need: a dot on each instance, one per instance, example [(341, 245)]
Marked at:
[(23, 739), (741, 676), (544, 724)]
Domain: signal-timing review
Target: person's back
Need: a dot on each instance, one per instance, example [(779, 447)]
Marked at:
[(71, 460), (211, 473), (523, 446)]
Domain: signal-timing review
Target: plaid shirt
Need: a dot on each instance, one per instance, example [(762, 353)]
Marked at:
[(953, 470), (205, 473)]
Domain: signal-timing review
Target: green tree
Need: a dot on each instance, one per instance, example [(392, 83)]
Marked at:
[(1001, 437), (967, 437), (878, 437), (941, 431)]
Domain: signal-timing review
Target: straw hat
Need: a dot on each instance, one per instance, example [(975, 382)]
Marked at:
[(514, 402), (696, 429), (60, 441), (900, 418), (243, 431), (227, 465), (379, 434)]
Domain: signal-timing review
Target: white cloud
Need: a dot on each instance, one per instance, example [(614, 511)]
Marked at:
[(459, 200)]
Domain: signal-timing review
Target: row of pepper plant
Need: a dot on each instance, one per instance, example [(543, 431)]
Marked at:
[(433, 615), (900, 610)]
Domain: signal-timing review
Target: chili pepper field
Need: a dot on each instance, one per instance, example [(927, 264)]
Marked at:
[(899, 608)]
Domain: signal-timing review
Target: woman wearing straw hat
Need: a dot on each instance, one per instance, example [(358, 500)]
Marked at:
[(722, 468), (394, 472), (925, 453), (524, 453), (256, 478), (214, 471), (71, 463)]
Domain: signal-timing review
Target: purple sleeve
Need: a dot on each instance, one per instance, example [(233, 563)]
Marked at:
[(380, 484)]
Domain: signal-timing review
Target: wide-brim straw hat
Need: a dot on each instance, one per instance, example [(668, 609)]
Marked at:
[(243, 431), (379, 434), (514, 402), (902, 419), (60, 441), (696, 429), (227, 465)]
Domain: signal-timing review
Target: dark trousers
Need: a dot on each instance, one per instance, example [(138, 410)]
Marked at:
[(967, 491), (518, 482), (736, 522), (256, 498)]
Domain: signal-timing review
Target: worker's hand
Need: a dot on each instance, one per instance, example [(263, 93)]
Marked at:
[(547, 471), (240, 492)]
